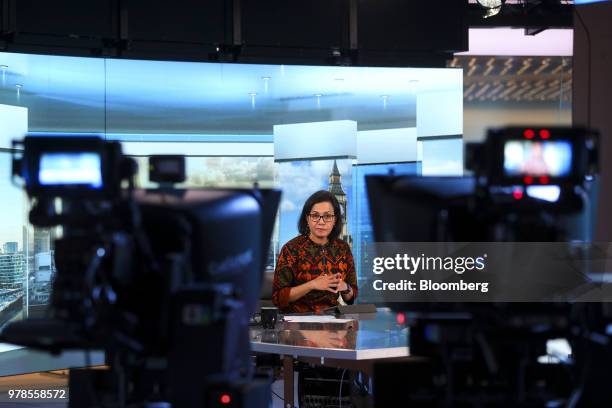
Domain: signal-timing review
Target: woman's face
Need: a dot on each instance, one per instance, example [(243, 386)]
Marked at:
[(321, 219)]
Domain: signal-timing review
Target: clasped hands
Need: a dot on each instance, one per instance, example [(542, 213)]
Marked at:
[(329, 282)]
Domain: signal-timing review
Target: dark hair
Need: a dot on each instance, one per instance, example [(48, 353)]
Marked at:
[(321, 196)]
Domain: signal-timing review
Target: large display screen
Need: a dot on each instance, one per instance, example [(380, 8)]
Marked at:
[(222, 116), (537, 158), (82, 168)]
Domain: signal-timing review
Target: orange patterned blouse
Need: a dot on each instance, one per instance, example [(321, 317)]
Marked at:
[(302, 260)]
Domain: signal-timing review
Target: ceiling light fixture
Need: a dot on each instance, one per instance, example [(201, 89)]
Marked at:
[(413, 85), (385, 98), (318, 96), (266, 80), (253, 95), (493, 7), (339, 85), (3, 68)]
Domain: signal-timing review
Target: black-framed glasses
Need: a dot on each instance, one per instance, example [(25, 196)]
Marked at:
[(314, 217)]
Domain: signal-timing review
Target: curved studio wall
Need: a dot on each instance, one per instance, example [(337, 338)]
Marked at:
[(225, 118)]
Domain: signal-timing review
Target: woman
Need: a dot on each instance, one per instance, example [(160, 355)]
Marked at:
[(316, 267)]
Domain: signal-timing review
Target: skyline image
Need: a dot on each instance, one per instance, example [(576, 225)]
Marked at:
[(27, 264), (231, 172), (13, 203), (298, 180)]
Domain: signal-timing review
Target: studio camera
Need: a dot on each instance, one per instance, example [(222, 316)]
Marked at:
[(163, 281), (519, 209), (525, 183)]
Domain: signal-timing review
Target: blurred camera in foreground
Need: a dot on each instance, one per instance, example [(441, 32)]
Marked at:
[(163, 280), (527, 202)]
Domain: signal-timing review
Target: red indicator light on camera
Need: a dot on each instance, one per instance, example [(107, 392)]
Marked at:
[(528, 180), (517, 194), (401, 318), (545, 134), (529, 133), (225, 399), (544, 180)]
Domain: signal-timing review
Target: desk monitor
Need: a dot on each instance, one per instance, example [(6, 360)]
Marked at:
[(231, 229), (422, 209)]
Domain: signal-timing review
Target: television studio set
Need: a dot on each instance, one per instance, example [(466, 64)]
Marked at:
[(282, 204)]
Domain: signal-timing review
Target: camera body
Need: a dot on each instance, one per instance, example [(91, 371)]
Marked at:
[(87, 168), (163, 280), (513, 156), (525, 183)]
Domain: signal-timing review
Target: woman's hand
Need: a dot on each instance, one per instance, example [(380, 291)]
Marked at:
[(342, 285), (325, 282)]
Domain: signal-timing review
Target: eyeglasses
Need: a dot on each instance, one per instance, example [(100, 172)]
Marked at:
[(314, 217)]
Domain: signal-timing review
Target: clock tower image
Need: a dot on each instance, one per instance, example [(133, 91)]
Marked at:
[(335, 187)]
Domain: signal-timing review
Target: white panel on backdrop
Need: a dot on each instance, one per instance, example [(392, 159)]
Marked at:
[(440, 113), (514, 42), (419, 151), (13, 124), (315, 140), (442, 157), (387, 146), (198, 149)]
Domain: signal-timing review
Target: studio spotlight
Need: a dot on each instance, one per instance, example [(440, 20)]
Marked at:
[(493, 7)]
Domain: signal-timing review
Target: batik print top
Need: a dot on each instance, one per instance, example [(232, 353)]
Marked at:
[(302, 260)]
